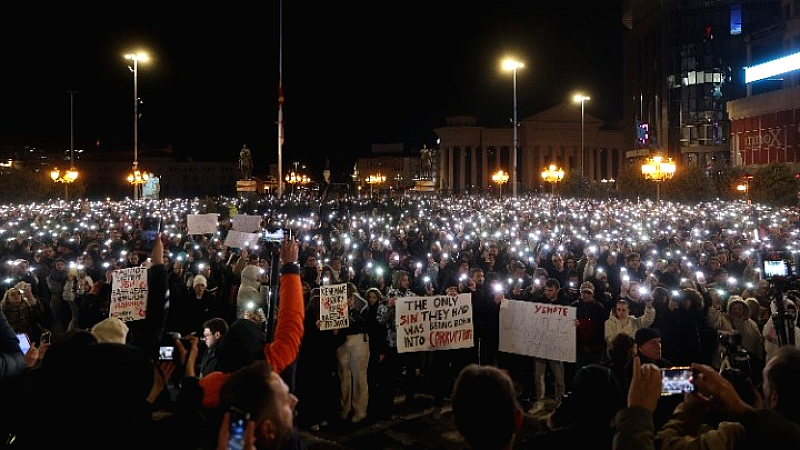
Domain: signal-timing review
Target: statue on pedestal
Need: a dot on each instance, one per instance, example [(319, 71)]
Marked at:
[(426, 163), (245, 162)]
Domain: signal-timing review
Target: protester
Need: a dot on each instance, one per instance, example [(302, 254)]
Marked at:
[(485, 408), (12, 361), (264, 397), (748, 426)]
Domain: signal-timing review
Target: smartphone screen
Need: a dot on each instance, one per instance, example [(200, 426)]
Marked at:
[(238, 422), (166, 353), (24, 343), (676, 380), (150, 229)]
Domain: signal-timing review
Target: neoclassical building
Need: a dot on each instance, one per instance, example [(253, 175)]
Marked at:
[(469, 154)]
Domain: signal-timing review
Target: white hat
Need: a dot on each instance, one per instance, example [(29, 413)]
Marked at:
[(110, 330), (199, 279)]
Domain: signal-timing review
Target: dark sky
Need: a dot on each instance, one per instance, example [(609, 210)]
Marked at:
[(353, 74)]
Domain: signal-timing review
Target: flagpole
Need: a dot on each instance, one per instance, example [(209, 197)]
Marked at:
[(280, 101)]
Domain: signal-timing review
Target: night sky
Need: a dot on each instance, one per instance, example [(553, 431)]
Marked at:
[(353, 74)]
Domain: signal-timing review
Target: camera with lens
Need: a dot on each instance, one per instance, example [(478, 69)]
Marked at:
[(735, 365)]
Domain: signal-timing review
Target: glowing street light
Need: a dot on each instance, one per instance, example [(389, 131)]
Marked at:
[(512, 65), (552, 175), (296, 178), (135, 57), (581, 98), (500, 178), (658, 169), (137, 178), (375, 179)]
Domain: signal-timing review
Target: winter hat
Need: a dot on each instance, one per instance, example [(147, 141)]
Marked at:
[(646, 334), (587, 286), (242, 345), (110, 330), (249, 276), (199, 279)]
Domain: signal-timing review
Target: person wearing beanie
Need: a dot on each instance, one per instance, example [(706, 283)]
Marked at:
[(590, 317), (201, 307), (111, 330)]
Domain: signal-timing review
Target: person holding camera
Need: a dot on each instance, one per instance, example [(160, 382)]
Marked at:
[(772, 419)]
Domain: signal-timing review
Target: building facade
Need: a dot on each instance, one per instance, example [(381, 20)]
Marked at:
[(469, 154), (683, 66)]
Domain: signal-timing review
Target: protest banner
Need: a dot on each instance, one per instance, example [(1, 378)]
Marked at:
[(202, 223), (542, 330), (333, 310), (438, 322), (246, 223), (129, 294), (240, 240)]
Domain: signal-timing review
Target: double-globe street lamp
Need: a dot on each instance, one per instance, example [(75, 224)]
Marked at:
[(658, 169), (512, 65), (552, 175), (581, 98), (136, 178)]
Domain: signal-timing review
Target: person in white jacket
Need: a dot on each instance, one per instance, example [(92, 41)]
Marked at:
[(620, 319), (249, 295)]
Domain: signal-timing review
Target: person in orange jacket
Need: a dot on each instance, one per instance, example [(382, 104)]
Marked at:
[(281, 352)]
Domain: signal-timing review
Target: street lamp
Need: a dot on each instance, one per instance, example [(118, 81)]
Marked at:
[(513, 65), (137, 178), (581, 98), (500, 178), (552, 175), (135, 57), (375, 179), (296, 178), (70, 175), (658, 169)]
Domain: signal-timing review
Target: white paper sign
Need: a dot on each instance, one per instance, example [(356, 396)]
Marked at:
[(246, 223), (238, 239), (434, 323), (129, 294), (538, 329), (333, 310), (202, 223)]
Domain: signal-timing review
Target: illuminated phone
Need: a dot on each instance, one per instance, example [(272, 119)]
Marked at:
[(24, 342), (237, 424), (677, 380)]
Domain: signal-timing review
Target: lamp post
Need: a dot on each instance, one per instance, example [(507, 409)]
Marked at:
[(581, 98), (500, 178), (373, 180), (296, 178), (552, 175), (658, 169), (513, 65), (137, 178), (135, 57)]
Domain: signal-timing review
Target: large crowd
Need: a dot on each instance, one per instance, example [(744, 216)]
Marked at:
[(653, 284)]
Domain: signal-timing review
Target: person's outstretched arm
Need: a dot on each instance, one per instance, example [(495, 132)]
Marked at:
[(283, 349)]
